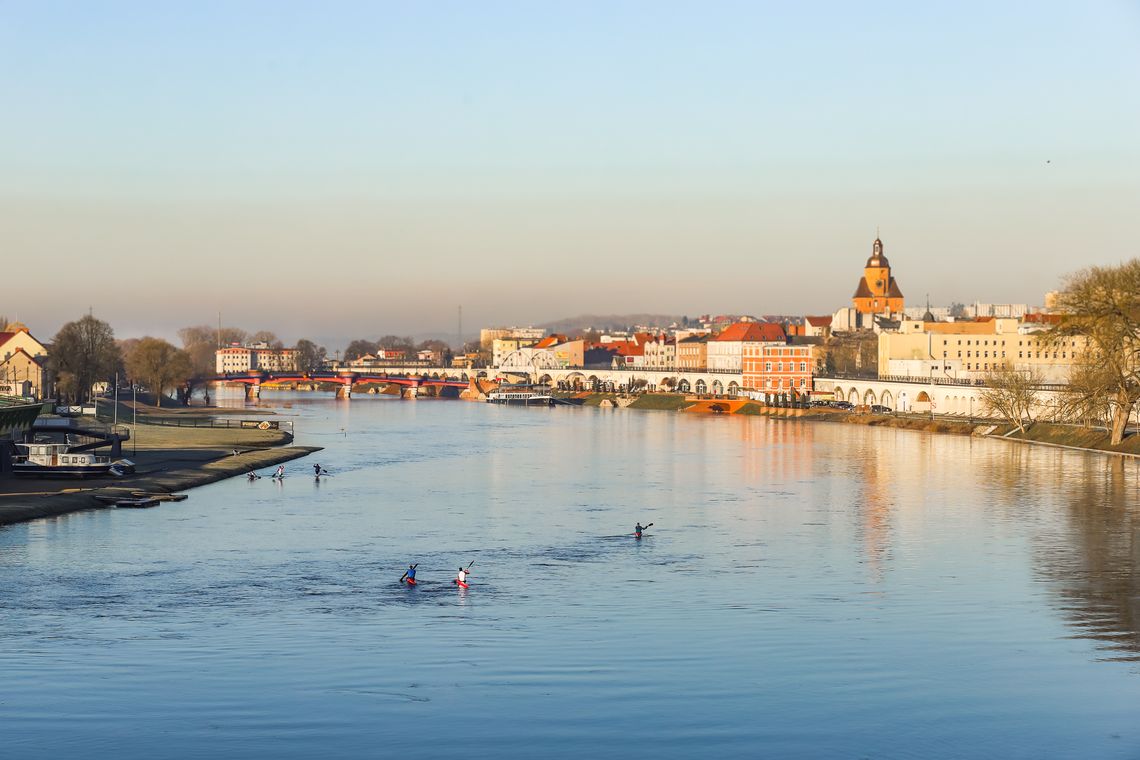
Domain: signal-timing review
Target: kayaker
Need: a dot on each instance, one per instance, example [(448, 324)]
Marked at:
[(639, 530), (462, 577), (280, 471), (411, 574), (317, 470)]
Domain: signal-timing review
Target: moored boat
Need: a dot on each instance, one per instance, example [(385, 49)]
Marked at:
[(521, 395), (56, 459)]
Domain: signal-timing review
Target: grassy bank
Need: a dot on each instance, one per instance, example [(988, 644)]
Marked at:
[(167, 459), (670, 402), (1071, 436)]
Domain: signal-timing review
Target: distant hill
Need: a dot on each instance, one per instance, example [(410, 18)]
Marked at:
[(577, 324)]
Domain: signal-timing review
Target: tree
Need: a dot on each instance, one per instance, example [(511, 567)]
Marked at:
[(1012, 395), (200, 343), (1101, 305), (158, 365), (82, 353), (395, 342), (441, 352), (310, 356), (268, 338), (958, 310), (358, 348)]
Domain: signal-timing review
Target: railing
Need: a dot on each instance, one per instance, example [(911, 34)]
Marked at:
[(928, 380), (211, 422)]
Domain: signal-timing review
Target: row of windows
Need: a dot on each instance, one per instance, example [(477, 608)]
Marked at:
[(786, 383), (1034, 343), (1020, 355)]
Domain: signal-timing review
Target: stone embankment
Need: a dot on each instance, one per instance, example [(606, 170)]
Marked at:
[(167, 459)]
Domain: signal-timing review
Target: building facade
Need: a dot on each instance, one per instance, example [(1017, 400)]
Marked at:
[(260, 357), (23, 364), (971, 350), (775, 368), (692, 353), (726, 350)]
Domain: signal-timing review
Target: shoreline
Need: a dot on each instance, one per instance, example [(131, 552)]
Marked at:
[(172, 459), (1069, 437)]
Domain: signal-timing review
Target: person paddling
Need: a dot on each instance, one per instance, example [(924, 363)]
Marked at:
[(280, 471), (639, 530), (410, 575), (461, 579)]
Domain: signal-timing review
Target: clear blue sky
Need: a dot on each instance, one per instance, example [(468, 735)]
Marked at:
[(363, 168)]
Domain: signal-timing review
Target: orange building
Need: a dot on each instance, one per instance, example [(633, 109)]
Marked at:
[(878, 293), (778, 368)]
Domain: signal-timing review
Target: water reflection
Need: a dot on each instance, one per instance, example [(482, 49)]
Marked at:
[(1094, 562)]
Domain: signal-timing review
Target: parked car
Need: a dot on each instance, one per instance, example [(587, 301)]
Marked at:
[(880, 409), (844, 405)]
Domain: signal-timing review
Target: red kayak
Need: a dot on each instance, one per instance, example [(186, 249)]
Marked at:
[(460, 583), (411, 581)]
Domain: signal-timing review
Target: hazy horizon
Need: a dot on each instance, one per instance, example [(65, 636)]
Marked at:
[(367, 170)]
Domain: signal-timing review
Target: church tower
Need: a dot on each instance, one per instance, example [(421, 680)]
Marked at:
[(878, 293)]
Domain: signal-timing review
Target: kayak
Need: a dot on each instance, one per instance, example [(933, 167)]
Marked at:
[(411, 581), (460, 583)]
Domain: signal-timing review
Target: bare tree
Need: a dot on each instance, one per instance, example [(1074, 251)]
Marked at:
[(158, 365), (1101, 305), (268, 338), (1012, 395), (83, 352), (396, 343)]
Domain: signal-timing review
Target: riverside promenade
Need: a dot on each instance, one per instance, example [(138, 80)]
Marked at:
[(167, 459)]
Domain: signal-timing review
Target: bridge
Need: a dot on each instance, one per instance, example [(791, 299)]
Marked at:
[(441, 381)]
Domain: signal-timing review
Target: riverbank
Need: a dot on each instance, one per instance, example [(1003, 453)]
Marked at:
[(1040, 433), (166, 458)]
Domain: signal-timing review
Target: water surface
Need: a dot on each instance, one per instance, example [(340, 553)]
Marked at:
[(807, 590)]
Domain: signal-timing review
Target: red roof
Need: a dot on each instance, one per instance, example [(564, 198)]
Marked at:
[(626, 348), (753, 331), (819, 321)]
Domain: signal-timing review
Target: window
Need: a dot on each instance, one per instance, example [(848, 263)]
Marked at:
[(803, 368), (767, 366)]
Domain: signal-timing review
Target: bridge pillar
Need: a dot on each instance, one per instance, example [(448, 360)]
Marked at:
[(253, 391), (344, 391), (409, 391)]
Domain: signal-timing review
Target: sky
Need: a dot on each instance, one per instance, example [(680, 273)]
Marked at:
[(341, 170)]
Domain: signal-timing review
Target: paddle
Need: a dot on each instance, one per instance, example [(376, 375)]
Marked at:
[(405, 575), (469, 564)]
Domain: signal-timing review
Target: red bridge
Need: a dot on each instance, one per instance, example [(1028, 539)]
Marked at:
[(410, 384)]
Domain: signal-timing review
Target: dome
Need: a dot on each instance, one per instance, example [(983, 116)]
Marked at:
[(877, 258)]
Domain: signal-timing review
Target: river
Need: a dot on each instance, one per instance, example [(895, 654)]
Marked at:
[(807, 590)]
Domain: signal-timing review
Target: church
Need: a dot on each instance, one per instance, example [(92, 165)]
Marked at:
[(877, 293)]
